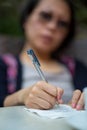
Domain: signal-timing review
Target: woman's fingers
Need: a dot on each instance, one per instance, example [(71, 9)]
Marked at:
[(43, 96), (60, 92), (75, 98), (51, 90), (32, 105), (38, 103), (80, 104), (43, 103)]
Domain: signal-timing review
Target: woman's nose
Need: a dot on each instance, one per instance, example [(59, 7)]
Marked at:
[(52, 26)]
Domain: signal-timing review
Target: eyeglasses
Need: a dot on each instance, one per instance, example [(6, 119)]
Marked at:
[(47, 17)]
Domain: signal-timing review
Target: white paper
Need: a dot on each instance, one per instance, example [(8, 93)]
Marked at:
[(59, 111)]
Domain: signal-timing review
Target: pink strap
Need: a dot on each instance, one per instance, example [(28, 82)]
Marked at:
[(69, 62), (11, 62)]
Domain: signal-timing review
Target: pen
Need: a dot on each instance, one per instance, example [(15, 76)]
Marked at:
[(36, 64)]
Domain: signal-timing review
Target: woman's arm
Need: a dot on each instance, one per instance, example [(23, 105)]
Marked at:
[(15, 99)]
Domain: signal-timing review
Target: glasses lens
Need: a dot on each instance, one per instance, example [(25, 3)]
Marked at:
[(46, 16)]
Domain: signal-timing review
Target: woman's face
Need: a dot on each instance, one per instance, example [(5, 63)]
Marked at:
[(48, 25)]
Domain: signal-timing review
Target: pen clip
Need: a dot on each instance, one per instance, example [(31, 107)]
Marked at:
[(33, 56)]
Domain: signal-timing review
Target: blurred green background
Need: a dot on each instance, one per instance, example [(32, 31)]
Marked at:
[(9, 15)]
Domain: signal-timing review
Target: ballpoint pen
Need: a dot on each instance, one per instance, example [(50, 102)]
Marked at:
[(36, 63)]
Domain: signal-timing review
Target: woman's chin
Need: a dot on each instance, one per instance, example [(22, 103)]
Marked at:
[(44, 48)]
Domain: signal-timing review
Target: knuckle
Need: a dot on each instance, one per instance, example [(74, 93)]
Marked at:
[(78, 91), (74, 99), (39, 83), (80, 103), (34, 90), (27, 103), (48, 106), (31, 96), (60, 90), (30, 105), (53, 101)]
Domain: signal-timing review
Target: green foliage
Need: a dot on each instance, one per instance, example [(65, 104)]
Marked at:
[(81, 11), (9, 18)]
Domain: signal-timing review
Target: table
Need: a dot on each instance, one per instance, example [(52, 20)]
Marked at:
[(16, 118)]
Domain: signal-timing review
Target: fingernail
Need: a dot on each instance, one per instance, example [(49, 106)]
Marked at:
[(73, 105), (58, 97), (78, 107)]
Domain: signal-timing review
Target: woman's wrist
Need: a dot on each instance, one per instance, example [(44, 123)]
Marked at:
[(17, 98), (22, 95), (11, 100)]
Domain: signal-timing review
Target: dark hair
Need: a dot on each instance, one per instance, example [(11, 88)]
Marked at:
[(28, 9)]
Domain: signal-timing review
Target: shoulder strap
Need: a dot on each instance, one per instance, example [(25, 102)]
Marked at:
[(12, 66), (69, 62)]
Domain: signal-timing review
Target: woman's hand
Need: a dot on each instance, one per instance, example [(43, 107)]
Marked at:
[(77, 101), (41, 96)]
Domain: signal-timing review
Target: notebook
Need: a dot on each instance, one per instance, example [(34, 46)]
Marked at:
[(59, 111)]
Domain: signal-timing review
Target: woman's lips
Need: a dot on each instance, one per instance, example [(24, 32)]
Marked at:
[(47, 39)]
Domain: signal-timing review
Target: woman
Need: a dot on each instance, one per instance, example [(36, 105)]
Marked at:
[(48, 27)]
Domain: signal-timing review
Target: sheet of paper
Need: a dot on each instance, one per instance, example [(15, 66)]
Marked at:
[(59, 111)]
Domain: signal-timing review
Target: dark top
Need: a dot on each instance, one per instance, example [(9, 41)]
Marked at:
[(79, 77)]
